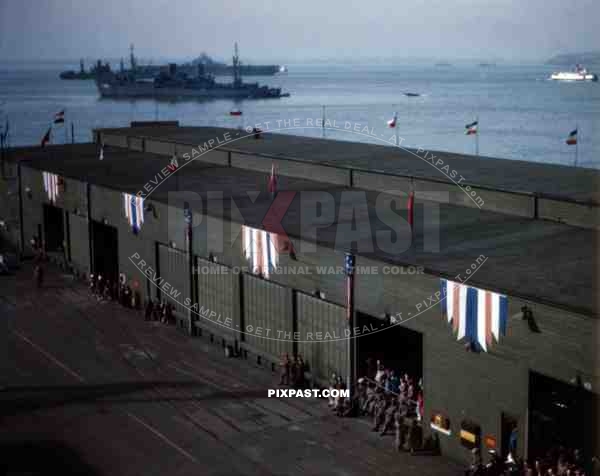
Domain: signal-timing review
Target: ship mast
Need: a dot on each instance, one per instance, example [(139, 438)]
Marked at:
[(132, 57), (237, 74)]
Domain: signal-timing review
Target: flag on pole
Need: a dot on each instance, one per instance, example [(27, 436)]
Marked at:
[(173, 165), (572, 139), (134, 211), (471, 128), (59, 117), (410, 208), (101, 157), (272, 182), (393, 120), (349, 261), (476, 314), (46, 138)]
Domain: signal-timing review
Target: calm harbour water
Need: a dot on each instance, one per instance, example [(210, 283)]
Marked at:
[(521, 114)]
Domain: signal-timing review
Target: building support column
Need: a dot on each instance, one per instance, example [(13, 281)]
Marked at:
[(351, 320)]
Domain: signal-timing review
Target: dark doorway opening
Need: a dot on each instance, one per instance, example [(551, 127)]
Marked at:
[(106, 251), (560, 414), (397, 347), (54, 228)]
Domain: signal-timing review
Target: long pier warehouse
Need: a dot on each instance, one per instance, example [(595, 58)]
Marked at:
[(527, 233)]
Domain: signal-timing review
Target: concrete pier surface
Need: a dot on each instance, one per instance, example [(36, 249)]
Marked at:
[(89, 388)]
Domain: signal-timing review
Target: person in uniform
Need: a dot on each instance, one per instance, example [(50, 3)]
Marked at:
[(380, 410), (38, 273), (149, 310), (400, 429), (301, 383), (169, 313), (156, 310), (368, 398), (285, 365), (106, 294), (390, 416)]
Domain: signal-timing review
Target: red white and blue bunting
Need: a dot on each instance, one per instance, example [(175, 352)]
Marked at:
[(476, 315), (261, 250), (51, 185), (134, 211)]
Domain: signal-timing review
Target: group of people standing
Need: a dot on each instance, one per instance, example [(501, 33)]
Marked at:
[(106, 290), (159, 311), (393, 403), (294, 372), (558, 462), (38, 261)]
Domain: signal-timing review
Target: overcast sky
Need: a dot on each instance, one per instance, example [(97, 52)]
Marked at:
[(298, 30)]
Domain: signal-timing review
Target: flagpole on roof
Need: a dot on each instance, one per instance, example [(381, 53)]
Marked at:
[(396, 126), (576, 143), (477, 136), (323, 122)]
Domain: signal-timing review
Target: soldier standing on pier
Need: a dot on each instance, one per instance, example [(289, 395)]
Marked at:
[(285, 370), (38, 273)]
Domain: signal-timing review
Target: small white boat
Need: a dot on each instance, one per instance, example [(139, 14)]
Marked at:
[(283, 69), (579, 74)]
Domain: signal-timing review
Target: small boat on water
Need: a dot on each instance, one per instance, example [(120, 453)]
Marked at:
[(235, 112), (412, 95), (579, 74)]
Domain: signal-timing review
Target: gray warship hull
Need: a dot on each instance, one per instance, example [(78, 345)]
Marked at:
[(149, 90)]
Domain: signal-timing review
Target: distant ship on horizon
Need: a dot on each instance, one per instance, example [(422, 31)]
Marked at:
[(177, 84), (578, 74), (152, 70)]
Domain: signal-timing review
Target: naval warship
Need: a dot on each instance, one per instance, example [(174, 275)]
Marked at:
[(174, 84), (82, 73)]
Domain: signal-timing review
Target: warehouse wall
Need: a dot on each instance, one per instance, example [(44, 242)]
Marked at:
[(79, 242), (219, 291), (331, 355), (174, 269), (458, 382), (267, 307), (219, 157), (305, 170), (9, 209), (492, 200), (32, 207), (585, 216)]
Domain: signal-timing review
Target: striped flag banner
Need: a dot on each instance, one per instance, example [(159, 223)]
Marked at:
[(262, 249), (134, 211), (476, 314), (51, 185), (272, 180), (59, 117), (392, 122), (471, 128), (572, 139)]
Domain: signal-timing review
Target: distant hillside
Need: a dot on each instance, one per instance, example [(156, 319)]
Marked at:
[(591, 57)]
